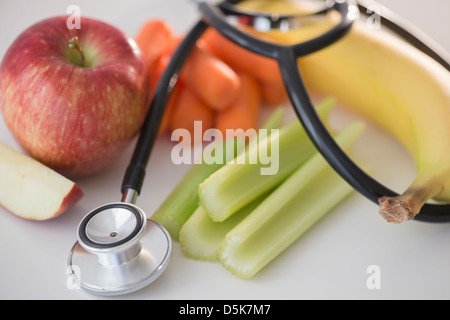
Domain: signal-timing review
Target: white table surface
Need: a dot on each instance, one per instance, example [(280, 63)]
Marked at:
[(329, 262)]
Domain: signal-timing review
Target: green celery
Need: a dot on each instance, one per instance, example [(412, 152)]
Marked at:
[(183, 200), (200, 237), (236, 184), (288, 212)]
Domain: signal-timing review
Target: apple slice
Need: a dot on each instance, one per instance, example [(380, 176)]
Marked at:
[(31, 190)]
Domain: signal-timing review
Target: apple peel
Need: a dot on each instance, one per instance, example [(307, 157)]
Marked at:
[(31, 190), (74, 99)]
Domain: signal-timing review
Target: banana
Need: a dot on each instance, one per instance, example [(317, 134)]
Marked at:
[(399, 88)]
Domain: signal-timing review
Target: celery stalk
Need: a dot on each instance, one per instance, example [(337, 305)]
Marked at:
[(236, 184), (200, 237), (289, 211), (183, 200)]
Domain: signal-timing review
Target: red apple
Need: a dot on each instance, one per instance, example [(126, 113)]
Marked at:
[(73, 107), (31, 190)]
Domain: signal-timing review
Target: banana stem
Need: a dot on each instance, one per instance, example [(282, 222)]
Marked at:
[(406, 206)]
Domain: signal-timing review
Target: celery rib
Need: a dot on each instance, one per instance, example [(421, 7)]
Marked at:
[(200, 238), (289, 211), (183, 200), (235, 185)]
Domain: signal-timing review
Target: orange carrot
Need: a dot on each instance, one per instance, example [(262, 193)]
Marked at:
[(274, 94), (161, 65), (262, 68), (151, 37), (243, 113), (157, 71), (171, 45), (189, 108), (210, 78), (168, 113)]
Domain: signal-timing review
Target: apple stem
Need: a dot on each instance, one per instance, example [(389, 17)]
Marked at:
[(74, 44)]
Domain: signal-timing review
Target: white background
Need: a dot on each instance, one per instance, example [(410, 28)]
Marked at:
[(329, 262)]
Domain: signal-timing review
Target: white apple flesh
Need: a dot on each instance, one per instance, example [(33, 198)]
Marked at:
[(73, 110), (30, 190)]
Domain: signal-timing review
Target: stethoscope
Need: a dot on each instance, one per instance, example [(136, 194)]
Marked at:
[(119, 250)]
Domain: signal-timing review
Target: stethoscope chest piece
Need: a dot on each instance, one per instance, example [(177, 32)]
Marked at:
[(118, 250)]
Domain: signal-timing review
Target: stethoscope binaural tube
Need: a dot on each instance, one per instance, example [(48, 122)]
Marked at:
[(213, 16)]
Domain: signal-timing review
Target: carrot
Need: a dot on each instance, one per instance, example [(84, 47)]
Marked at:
[(157, 71), (262, 68), (161, 65), (274, 94), (171, 45), (210, 78), (243, 113), (189, 108), (151, 37), (168, 113)]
